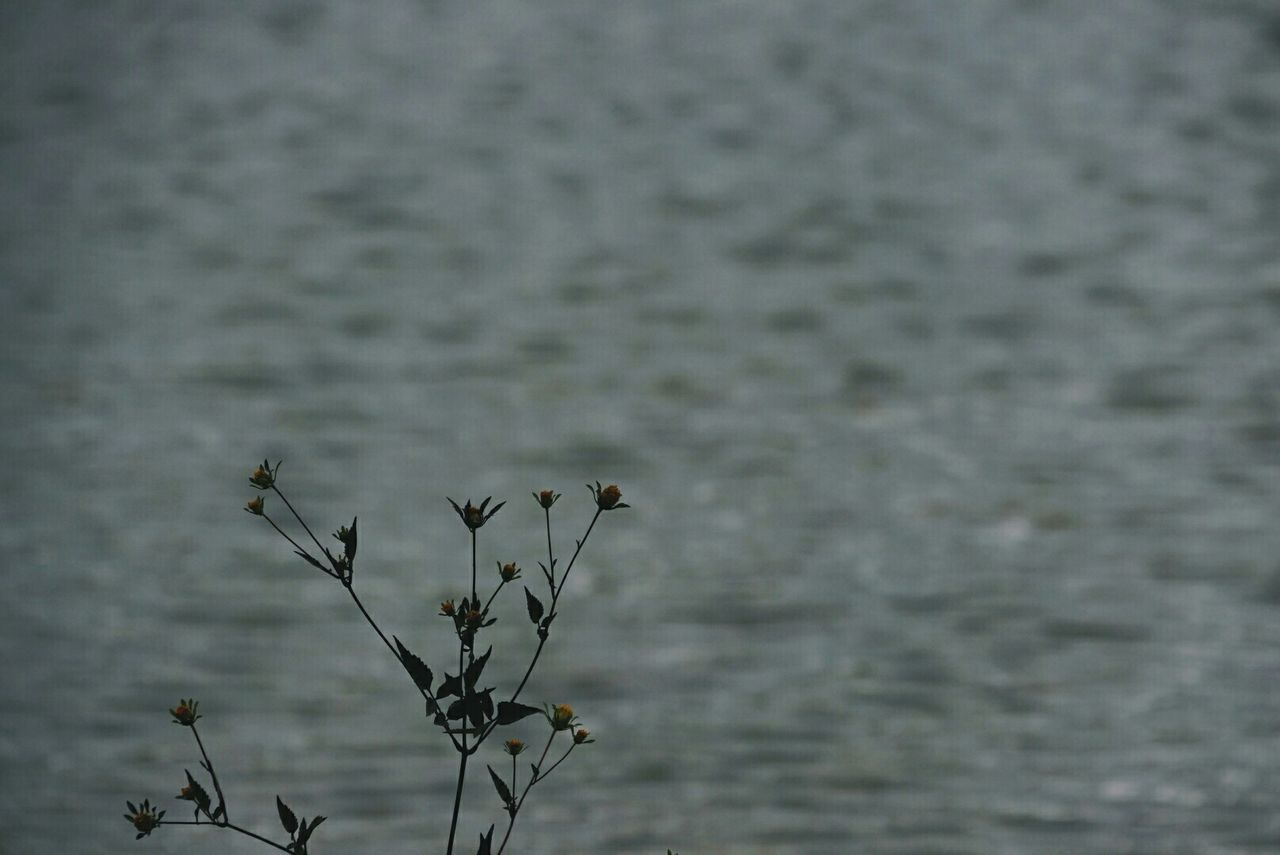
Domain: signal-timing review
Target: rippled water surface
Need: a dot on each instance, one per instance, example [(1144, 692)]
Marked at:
[(935, 346)]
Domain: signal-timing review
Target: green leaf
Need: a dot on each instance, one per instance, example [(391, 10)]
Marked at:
[(449, 686), (287, 818), (535, 606), (201, 796), (510, 712), (473, 670), (501, 786), (418, 670)]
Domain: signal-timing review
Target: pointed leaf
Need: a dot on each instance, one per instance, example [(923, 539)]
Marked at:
[(498, 784), (475, 667), (287, 818), (510, 712), (535, 606), (456, 710), (418, 670), (486, 843), (449, 686)]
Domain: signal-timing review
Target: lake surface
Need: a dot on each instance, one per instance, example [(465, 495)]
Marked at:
[(936, 347)]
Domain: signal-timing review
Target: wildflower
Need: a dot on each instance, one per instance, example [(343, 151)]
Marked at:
[(513, 746), (562, 717), (473, 517), (580, 736), (509, 571), (607, 498), (474, 616), (185, 712), (546, 498), (447, 608), (187, 794), (145, 820), (254, 506), (264, 477)]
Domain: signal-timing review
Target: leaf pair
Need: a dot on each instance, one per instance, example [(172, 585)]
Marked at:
[(299, 832)]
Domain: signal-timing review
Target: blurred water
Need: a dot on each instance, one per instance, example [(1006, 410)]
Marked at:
[(935, 346)]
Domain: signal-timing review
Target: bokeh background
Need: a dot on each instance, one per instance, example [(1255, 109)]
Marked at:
[(934, 344)]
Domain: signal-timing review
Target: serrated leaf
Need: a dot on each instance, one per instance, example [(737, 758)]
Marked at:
[(418, 670), (201, 797), (475, 667), (535, 606), (456, 710), (449, 686), (504, 792), (287, 818), (510, 712)]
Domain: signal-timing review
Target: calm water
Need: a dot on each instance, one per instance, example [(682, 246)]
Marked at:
[(935, 345)]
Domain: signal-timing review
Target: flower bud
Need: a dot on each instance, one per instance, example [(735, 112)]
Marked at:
[(254, 506), (185, 712), (513, 746), (509, 571), (447, 608), (609, 497), (547, 498), (187, 794), (580, 736), (562, 717), (474, 616), (263, 478)]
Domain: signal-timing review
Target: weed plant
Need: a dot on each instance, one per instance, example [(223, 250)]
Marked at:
[(466, 714)]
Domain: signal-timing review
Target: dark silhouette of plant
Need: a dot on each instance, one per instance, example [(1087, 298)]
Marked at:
[(464, 712)]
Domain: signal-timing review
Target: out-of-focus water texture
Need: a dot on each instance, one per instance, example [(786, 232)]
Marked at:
[(935, 344)]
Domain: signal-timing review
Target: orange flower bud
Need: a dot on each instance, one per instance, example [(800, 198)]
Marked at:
[(547, 498), (447, 608), (185, 712), (580, 736), (513, 746), (609, 496), (509, 571), (562, 717), (254, 506)]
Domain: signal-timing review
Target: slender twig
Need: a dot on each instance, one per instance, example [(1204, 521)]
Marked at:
[(301, 521), (426, 693), (533, 779), (208, 764), (550, 611), (244, 831), (551, 558), (293, 542)]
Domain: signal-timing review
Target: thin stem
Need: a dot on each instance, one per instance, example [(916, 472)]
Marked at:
[(491, 596), (555, 596), (533, 779), (462, 750), (244, 831), (551, 558), (298, 517), (291, 540), (474, 597), (426, 693), (208, 764)]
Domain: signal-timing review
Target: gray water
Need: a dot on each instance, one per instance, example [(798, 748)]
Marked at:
[(934, 344)]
